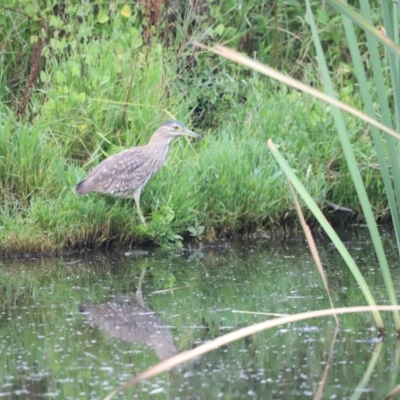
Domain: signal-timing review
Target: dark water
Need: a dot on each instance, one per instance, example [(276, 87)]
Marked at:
[(49, 349)]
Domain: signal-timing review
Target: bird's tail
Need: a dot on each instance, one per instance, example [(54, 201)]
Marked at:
[(80, 187)]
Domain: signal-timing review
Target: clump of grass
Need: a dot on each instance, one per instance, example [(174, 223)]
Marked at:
[(225, 183), (100, 91)]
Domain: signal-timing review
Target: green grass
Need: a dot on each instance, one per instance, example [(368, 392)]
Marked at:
[(227, 183), (105, 92)]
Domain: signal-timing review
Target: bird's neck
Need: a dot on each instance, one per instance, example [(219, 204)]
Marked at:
[(159, 147), (160, 139)]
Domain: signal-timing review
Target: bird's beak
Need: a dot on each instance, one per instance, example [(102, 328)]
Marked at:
[(188, 132)]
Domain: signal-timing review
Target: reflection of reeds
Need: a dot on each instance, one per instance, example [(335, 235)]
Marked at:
[(322, 382)]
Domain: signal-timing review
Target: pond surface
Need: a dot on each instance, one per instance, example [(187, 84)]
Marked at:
[(76, 328)]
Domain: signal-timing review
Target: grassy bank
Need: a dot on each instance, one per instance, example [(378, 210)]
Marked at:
[(99, 92)]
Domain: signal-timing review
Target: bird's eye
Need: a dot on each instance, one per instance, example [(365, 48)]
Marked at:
[(176, 127)]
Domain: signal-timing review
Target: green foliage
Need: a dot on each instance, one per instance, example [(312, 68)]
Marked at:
[(387, 36), (101, 78)]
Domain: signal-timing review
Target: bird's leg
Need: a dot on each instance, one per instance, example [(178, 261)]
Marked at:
[(141, 216), (136, 196)]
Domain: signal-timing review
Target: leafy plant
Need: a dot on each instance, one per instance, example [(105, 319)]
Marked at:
[(160, 230), (197, 230)]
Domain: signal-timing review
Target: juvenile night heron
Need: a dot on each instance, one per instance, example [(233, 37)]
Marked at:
[(125, 174)]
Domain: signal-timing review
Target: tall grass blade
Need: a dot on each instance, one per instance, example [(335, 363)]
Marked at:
[(386, 116), (360, 389), (352, 162), (272, 73), (384, 112), (189, 355), (391, 25), (312, 246), (395, 366), (393, 393), (239, 58), (291, 176), (363, 23)]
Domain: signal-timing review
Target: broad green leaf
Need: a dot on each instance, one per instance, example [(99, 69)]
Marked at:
[(102, 17), (313, 207), (60, 77), (220, 29), (75, 70), (126, 11), (43, 76)]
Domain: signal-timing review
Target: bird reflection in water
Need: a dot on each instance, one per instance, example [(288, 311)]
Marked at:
[(130, 319)]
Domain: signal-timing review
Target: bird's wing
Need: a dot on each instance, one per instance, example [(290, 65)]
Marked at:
[(119, 173)]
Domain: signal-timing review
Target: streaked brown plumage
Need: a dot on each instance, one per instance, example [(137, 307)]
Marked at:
[(130, 319), (125, 174)]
